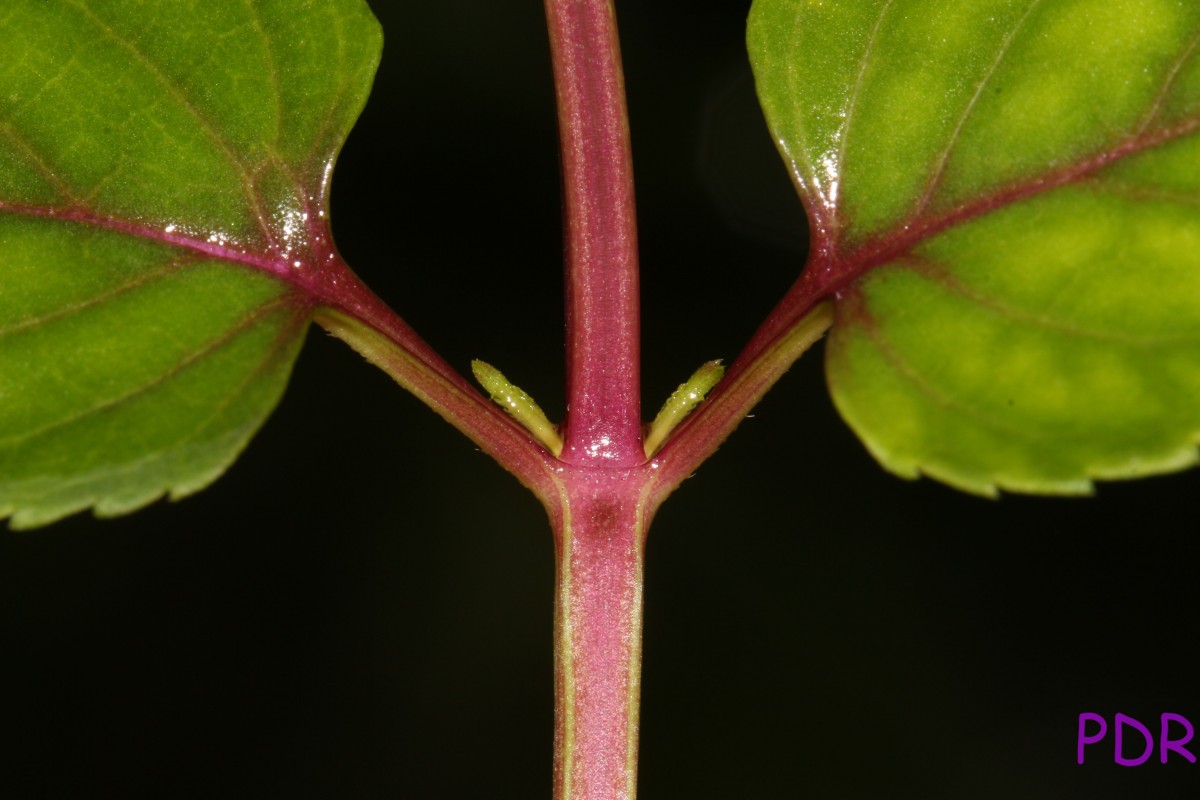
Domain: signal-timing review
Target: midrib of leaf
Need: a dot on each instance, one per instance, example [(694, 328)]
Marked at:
[(845, 269), (304, 280), (832, 272), (226, 336)]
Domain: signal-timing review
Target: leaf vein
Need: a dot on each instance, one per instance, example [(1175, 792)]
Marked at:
[(190, 360), (327, 120), (1135, 192), (39, 164), (207, 125), (885, 249), (256, 20), (851, 106), (905, 368), (99, 299), (1172, 75), (943, 276), (938, 172), (271, 356)]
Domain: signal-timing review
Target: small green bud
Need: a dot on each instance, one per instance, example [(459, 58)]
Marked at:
[(519, 405), (680, 404)]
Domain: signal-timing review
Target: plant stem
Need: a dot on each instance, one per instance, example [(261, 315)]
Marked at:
[(599, 544), (600, 491), (603, 510), (603, 423)]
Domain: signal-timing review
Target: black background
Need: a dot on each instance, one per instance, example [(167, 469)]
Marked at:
[(361, 608)]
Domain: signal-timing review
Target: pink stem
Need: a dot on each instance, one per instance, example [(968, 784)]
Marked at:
[(600, 530), (604, 507), (603, 422)]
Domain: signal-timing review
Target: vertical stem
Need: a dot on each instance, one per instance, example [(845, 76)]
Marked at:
[(601, 521), (598, 638), (603, 420)]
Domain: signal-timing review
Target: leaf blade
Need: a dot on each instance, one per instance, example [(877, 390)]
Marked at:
[(163, 225), (1018, 291)]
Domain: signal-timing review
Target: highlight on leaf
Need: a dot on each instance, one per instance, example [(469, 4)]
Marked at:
[(519, 405)]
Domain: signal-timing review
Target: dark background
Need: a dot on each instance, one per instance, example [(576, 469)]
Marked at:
[(361, 608)]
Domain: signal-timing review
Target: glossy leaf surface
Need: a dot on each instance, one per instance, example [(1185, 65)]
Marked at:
[(163, 179), (1005, 201)]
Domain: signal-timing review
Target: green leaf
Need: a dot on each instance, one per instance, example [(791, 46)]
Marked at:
[(1005, 201), (164, 171)]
